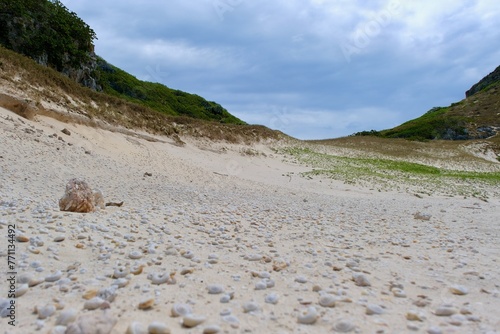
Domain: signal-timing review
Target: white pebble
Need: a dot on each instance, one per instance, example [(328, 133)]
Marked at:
[(445, 311), (434, 330), (327, 300), (135, 255), (301, 279), (374, 309), (261, 285), (46, 311), (343, 326), (215, 289), (308, 316), (211, 329), (360, 279), (191, 320), (225, 299), (54, 276), (21, 290), (157, 327), (272, 298), (93, 304), (180, 310), (121, 272), (136, 328), (399, 293), (250, 307), (459, 290), (66, 317)]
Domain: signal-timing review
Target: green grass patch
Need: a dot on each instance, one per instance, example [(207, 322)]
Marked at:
[(387, 174)]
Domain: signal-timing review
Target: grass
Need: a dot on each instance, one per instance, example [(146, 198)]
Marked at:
[(389, 174)]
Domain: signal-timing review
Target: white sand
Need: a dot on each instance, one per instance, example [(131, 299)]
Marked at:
[(221, 215)]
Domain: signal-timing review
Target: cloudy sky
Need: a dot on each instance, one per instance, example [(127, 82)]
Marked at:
[(310, 68)]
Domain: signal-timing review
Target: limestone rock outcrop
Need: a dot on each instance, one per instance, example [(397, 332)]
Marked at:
[(79, 197)]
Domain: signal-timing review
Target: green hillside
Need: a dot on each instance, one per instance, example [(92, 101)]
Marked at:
[(475, 117), (117, 82), (53, 36)]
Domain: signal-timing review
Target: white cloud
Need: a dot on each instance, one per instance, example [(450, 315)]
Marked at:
[(259, 57)]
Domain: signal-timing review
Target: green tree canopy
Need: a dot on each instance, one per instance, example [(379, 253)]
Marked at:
[(45, 31)]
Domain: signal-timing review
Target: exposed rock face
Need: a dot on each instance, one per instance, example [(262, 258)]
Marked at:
[(80, 198), (485, 82)]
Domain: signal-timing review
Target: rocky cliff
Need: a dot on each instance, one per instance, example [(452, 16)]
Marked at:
[(488, 80)]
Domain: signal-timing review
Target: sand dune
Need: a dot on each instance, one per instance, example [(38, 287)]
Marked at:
[(221, 236)]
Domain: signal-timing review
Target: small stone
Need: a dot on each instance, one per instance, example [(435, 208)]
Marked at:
[(180, 310), (360, 279), (250, 307), (308, 316), (21, 290), (225, 299), (233, 321), (399, 293), (445, 311), (414, 316), (66, 317), (45, 311), (215, 289), (54, 277), (422, 216), (191, 320), (301, 279), (157, 327), (459, 290), (211, 329), (66, 132), (22, 238), (59, 238), (93, 304), (272, 298), (147, 304), (372, 309), (434, 330), (135, 255), (327, 300), (457, 319), (121, 272), (136, 328), (261, 285), (343, 326)]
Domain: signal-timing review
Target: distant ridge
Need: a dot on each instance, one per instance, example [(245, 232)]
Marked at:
[(475, 117), (490, 79)]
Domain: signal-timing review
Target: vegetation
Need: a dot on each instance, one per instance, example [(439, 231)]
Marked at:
[(117, 82), (389, 174), (46, 31), (435, 124), (49, 33)]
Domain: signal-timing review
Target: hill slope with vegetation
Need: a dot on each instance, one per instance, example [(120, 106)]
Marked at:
[(475, 117), (53, 36)]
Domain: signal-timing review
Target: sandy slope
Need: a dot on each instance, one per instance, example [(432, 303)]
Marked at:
[(220, 214)]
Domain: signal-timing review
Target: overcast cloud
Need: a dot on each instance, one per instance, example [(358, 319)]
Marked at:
[(310, 68)]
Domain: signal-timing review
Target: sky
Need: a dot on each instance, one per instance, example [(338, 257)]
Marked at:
[(313, 69)]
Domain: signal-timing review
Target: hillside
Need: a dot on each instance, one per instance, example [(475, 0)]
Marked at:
[(29, 88), (47, 32), (475, 117)]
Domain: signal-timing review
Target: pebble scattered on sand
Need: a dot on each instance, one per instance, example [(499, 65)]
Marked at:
[(220, 257)]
